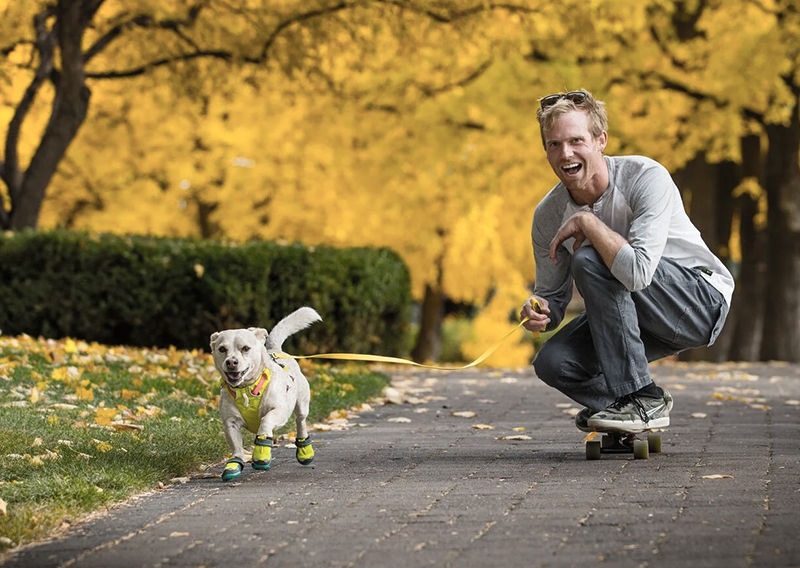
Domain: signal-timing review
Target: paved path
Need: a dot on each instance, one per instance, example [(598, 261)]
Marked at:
[(413, 485)]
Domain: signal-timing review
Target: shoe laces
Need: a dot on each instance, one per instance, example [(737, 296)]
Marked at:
[(633, 400)]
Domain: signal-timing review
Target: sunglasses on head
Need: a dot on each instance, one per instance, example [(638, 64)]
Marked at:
[(576, 97)]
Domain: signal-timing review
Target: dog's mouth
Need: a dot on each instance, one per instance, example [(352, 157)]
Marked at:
[(234, 378)]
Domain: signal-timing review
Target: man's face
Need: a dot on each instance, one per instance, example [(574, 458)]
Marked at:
[(575, 156)]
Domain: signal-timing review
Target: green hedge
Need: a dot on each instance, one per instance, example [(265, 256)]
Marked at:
[(157, 292)]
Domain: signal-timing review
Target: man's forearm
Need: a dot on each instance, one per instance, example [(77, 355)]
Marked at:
[(606, 241)]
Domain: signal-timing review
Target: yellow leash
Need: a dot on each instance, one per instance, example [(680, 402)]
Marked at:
[(384, 359)]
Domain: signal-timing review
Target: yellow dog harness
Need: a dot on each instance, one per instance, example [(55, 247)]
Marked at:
[(247, 400)]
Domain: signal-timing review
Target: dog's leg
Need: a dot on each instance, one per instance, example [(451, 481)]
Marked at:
[(305, 451), (233, 434), (262, 448)]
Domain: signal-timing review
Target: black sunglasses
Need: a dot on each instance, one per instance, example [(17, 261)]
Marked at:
[(576, 97)]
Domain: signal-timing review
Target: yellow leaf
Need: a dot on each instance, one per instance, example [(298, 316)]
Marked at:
[(104, 447), (202, 411), (37, 442), (84, 394), (70, 346), (130, 394), (483, 427), (104, 415), (34, 395)]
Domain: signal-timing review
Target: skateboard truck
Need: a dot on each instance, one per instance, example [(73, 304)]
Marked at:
[(622, 443)]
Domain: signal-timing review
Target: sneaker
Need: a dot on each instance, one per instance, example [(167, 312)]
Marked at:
[(633, 414), (582, 420), (667, 399)]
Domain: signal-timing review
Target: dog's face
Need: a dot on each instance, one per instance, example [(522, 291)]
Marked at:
[(239, 354)]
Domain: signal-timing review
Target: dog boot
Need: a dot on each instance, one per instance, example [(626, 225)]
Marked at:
[(305, 451), (232, 469), (262, 452)]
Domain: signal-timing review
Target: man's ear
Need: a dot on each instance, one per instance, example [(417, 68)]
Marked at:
[(602, 140)]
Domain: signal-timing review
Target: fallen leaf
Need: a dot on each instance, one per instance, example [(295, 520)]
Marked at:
[(792, 403), (3, 506), (175, 534), (483, 427), (464, 414), (718, 476), (519, 429), (591, 436), (126, 426), (699, 415), (399, 419), (516, 437)]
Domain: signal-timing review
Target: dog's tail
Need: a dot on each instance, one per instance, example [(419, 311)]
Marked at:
[(294, 322)]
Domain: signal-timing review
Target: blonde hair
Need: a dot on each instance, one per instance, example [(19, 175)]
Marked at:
[(596, 110)]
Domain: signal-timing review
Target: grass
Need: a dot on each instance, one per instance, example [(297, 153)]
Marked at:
[(83, 425)]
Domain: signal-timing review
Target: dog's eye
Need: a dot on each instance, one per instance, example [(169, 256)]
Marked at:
[(223, 349), (245, 348)]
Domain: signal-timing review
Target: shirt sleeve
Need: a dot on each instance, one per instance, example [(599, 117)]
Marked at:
[(651, 196)]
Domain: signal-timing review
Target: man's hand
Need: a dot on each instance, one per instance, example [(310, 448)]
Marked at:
[(536, 310), (572, 228)]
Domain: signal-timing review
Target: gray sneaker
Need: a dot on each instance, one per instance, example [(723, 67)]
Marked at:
[(633, 414), (667, 400), (582, 418)]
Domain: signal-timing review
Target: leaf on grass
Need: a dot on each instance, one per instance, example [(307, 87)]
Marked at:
[(483, 427), (104, 416), (126, 426), (516, 437), (464, 414), (3, 508), (38, 441), (718, 476)]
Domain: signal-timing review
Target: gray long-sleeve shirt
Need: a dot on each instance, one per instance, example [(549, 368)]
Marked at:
[(643, 205)]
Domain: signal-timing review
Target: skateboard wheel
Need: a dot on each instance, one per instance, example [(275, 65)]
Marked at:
[(593, 450), (640, 450), (654, 443)]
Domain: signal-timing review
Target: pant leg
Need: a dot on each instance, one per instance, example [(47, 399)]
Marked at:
[(677, 311)]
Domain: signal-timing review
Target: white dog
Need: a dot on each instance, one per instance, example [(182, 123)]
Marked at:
[(259, 391)]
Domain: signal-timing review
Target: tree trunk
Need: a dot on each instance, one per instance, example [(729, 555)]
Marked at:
[(70, 106), (782, 325), (711, 210), (429, 342), (746, 318)]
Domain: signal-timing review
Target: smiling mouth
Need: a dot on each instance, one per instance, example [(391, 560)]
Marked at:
[(571, 169), (235, 377)]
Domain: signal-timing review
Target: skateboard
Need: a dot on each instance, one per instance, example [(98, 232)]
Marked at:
[(622, 443)]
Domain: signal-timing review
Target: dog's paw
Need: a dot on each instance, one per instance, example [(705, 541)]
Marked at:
[(262, 452), (305, 451), (233, 469)]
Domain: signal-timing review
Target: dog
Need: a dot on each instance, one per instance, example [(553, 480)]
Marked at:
[(259, 392)]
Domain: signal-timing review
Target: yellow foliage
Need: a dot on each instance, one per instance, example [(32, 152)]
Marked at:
[(492, 324)]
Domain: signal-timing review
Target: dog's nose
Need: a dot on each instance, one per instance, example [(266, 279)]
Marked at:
[(232, 362)]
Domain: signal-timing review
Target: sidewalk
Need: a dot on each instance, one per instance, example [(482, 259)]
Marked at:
[(417, 484)]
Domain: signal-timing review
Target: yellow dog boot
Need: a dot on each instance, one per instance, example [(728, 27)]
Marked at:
[(305, 451), (262, 452), (233, 469)]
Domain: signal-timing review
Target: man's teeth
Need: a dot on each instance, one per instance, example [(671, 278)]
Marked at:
[(571, 168)]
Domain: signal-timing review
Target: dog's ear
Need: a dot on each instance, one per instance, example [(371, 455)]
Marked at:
[(214, 337), (260, 333)]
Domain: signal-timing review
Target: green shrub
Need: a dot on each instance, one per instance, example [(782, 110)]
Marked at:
[(162, 292)]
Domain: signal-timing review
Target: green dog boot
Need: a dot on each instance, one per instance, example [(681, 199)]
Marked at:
[(305, 451), (262, 452), (232, 469)]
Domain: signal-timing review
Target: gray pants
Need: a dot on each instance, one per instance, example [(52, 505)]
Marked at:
[(603, 353)]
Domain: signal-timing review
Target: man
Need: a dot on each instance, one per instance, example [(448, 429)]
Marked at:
[(616, 227)]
